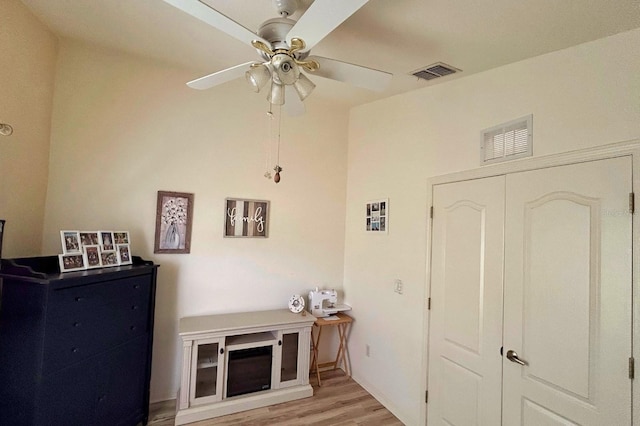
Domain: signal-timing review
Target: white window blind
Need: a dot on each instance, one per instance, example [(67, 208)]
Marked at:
[(507, 141)]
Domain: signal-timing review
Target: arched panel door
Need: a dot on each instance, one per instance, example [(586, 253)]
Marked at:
[(568, 297), (465, 333)]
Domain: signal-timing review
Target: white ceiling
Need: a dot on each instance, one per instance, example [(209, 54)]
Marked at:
[(397, 36)]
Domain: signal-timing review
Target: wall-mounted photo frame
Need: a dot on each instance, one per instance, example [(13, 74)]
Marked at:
[(71, 242), (174, 217), (72, 262), (246, 218), (92, 255), (377, 216), (106, 241), (124, 254), (109, 258)]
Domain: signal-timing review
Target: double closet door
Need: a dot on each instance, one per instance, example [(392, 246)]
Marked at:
[(531, 298)]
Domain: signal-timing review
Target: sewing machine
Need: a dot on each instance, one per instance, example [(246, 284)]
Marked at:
[(323, 303)]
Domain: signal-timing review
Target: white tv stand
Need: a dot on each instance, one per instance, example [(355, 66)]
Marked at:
[(236, 362)]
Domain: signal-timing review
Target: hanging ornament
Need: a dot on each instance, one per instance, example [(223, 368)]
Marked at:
[(276, 178)]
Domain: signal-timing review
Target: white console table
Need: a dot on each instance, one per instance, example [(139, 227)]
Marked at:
[(236, 362)]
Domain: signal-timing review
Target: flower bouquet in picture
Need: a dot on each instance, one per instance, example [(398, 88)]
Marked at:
[(173, 222)]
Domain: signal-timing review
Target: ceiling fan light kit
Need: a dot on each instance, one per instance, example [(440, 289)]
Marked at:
[(258, 75), (276, 96), (280, 43), (303, 86)]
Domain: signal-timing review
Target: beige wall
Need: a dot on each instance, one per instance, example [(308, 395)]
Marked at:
[(125, 127), (581, 97), (27, 65)]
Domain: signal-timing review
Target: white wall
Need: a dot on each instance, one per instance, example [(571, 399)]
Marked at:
[(125, 127), (27, 63), (581, 97)]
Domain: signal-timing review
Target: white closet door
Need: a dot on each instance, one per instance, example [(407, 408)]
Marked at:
[(568, 295), (465, 366)]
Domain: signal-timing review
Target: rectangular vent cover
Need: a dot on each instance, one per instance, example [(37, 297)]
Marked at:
[(434, 71), (507, 141)]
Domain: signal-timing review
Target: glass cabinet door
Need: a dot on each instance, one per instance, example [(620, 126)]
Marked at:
[(206, 371), (289, 359)]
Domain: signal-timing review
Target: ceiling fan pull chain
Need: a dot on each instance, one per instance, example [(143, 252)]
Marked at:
[(278, 169), (267, 151)]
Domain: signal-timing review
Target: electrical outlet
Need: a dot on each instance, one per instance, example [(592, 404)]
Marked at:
[(397, 286), (368, 350)]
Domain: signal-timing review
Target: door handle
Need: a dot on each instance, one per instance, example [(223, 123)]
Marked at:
[(513, 357)]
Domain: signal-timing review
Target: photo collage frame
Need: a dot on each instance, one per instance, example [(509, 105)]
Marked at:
[(378, 216), (94, 249)]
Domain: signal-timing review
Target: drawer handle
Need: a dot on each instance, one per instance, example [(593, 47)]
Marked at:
[(76, 324), (79, 299), (134, 307), (133, 327), (136, 286), (74, 350)]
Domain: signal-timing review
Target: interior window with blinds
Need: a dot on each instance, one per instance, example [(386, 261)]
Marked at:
[(507, 141)]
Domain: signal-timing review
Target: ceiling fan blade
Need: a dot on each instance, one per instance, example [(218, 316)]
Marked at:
[(211, 80), (206, 14), (321, 18), (357, 75), (292, 103)]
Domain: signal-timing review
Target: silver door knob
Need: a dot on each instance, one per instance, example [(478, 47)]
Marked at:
[(513, 357)]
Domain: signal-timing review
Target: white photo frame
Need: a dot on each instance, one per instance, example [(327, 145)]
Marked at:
[(89, 238), (92, 256), (71, 242), (109, 258), (72, 262), (377, 216), (124, 254), (121, 237), (106, 241)]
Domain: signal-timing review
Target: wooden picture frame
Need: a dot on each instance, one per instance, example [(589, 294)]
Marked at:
[(174, 217), (70, 242), (72, 262), (377, 216), (246, 218), (2, 222)]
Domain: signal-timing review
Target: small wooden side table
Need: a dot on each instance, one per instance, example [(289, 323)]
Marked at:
[(342, 356)]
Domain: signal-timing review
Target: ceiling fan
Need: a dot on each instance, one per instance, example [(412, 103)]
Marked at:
[(284, 46)]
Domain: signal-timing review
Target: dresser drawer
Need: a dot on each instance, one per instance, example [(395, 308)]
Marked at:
[(69, 301), (94, 324)]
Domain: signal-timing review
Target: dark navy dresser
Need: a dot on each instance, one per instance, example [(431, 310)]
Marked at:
[(75, 347)]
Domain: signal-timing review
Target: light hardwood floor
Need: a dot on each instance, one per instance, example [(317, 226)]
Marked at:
[(339, 401)]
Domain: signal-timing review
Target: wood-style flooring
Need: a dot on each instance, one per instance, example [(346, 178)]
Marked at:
[(339, 401)]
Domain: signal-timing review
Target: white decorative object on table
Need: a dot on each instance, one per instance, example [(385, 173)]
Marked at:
[(296, 304)]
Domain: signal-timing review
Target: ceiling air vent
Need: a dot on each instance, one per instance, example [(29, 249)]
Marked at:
[(434, 71)]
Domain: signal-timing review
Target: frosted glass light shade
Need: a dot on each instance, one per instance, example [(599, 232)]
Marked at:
[(303, 86), (258, 76), (276, 96)]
